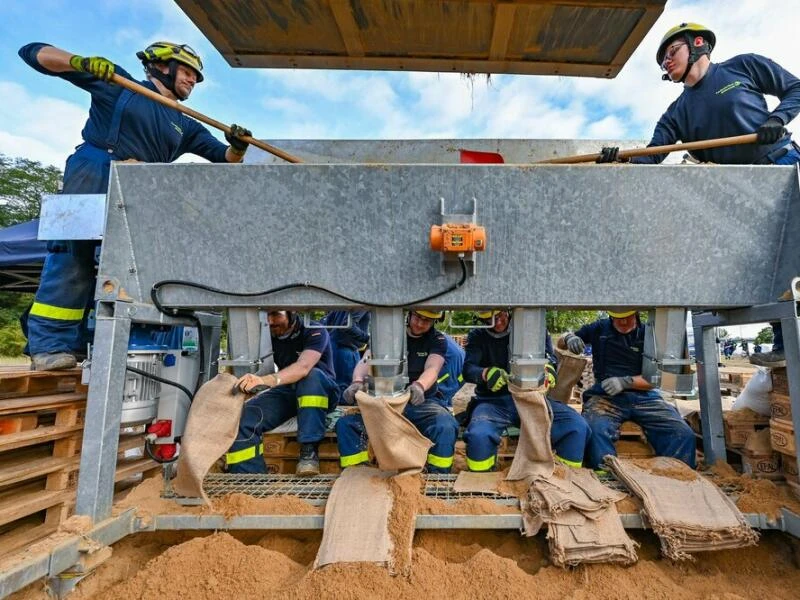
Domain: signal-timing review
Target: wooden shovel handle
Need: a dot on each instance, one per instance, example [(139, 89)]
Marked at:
[(156, 97), (749, 138)]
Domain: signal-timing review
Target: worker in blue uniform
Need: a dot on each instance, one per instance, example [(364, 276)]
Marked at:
[(425, 352), (450, 377), (122, 125), (723, 100), (620, 393), (492, 409), (304, 386), (346, 339)]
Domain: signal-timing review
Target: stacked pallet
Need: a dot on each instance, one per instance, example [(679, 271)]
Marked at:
[(41, 429), (782, 428), (733, 379), (282, 450)]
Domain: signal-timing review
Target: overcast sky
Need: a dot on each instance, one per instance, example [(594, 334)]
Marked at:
[(41, 117)]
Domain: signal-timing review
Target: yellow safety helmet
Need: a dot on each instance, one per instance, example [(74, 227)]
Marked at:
[(486, 314), (620, 314), (683, 30), (430, 314), (167, 51)]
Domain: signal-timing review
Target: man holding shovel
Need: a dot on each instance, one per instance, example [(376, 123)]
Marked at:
[(121, 126), (724, 100)]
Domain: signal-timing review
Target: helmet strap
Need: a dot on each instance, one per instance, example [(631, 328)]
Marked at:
[(695, 52), (167, 79)]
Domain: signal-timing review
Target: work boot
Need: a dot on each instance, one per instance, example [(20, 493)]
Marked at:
[(769, 359), (308, 465), (53, 361)]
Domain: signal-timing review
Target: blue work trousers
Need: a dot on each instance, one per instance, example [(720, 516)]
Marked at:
[(345, 359), (663, 426), (431, 418), (569, 433), (56, 320), (310, 399)]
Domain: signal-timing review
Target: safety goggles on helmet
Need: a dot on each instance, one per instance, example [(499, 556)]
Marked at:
[(620, 314), (167, 51)]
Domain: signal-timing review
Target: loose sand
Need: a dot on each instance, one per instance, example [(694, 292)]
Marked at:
[(445, 564), (441, 564)]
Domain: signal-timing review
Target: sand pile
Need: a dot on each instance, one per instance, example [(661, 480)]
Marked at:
[(453, 565), (755, 495)]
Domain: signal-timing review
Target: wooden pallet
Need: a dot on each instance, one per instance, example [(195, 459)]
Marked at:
[(40, 443), (286, 445)]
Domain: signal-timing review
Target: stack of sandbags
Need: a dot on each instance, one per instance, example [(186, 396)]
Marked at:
[(688, 512), (582, 521)]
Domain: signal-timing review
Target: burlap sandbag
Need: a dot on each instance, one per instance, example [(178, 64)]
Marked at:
[(570, 371), (533, 456), (211, 428), (397, 444), (357, 535)]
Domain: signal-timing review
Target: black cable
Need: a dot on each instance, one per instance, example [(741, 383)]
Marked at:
[(175, 311), (149, 451), (185, 390)]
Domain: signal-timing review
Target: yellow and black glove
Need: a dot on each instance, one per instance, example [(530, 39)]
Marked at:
[(549, 377), (100, 67), (496, 379)]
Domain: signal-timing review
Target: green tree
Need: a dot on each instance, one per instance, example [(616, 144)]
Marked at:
[(22, 183), (559, 321), (764, 336)]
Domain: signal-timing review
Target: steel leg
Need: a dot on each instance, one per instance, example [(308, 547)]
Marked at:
[(707, 353), (103, 411)]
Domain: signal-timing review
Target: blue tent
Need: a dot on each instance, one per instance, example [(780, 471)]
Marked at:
[(21, 257)]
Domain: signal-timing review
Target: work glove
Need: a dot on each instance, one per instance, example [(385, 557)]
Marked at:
[(574, 343), (253, 384), (616, 385), (771, 131), (549, 377), (608, 154), (417, 393), (238, 146), (100, 67), (349, 395), (496, 379)]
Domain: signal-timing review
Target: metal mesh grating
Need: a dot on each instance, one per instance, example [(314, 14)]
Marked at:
[(440, 486), (317, 489)]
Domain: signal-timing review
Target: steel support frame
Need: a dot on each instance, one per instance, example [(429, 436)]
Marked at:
[(104, 401), (707, 353), (527, 346)]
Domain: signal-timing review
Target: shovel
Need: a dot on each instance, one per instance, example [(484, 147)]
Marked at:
[(156, 97), (473, 156)]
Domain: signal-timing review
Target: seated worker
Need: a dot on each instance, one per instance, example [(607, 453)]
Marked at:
[(345, 342), (492, 409), (620, 393), (304, 386), (425, 352), (450, 377)]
